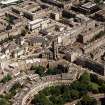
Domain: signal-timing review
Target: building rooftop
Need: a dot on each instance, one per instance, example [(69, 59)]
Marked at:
[(8, 1), (102, 13), (89, 5), (35, 21)]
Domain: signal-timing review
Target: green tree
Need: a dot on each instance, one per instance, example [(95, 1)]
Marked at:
[(9, 19), (102, 88), (15, 88), (86, 100), (6, 78), (75, 85), (74, 94), (85, 78), (51, 71), (39, 70), (93, 87), (46, 91), (66, 96), (4, 100), (43, 100), (55, 91)]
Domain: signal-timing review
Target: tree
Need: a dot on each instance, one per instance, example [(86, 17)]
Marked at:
[(75, 85), (6, 78), (9, 19), (39, 70), (55, 91), (86, 100), (95, 79), (66, 96), (102, 88), (51, 71), (74, 94), (42, 100), (46, 91), (4, 100), (93, 87), (85, 78), (16, 87), (59, 100), (59, 95)]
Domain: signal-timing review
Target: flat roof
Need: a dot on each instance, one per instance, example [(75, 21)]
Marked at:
[(35, 21), (8, 1), (88, 5), (102, 12)]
